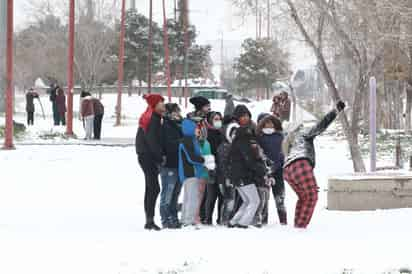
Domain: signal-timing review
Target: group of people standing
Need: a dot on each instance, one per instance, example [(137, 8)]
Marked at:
[(91, 110), (229, 161)]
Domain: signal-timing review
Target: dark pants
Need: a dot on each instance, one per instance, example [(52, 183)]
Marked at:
[(61, 119), (228, 207), (56, 116), (30, 118), (300, 177), (213, 195), (169, 196), (278, 191), (263, 209), (97, 126), (152, 188)]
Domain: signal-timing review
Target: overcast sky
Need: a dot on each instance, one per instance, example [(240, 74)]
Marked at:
[(211, 18)]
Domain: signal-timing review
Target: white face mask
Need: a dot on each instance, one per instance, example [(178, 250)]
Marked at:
[(217, 124), (268, 131)]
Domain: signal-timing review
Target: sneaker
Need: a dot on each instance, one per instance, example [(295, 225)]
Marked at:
[(175, 226), (242, 226)]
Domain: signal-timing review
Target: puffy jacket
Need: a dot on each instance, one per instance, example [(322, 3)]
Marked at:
[(272, 147), (87, 108), (149, 142), (190, 158), (215, 138), (299, 144), (98, 107), (243, 158), (171, 137)]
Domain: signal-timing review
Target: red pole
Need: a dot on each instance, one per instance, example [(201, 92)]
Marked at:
[(8, 142), (166, 45), (70, 69), (186, 46), (120, 69), (149, 64)]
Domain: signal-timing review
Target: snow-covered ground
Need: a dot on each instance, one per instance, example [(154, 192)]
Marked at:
[(79, 209)]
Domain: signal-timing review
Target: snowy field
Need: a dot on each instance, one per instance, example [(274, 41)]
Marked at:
[(79, 209)]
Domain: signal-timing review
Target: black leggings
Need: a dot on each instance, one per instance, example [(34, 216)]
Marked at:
[(152, 187), (213, 195), (30, 118)]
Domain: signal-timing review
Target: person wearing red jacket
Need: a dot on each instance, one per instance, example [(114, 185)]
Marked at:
[(149, 151)]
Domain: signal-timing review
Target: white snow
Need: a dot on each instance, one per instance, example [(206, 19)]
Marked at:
[(79, 209)]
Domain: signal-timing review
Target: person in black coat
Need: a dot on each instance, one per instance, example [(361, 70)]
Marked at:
[(243, 158), (30, 96), (149, 151), (52, 91), (171, 187), (215, 138)]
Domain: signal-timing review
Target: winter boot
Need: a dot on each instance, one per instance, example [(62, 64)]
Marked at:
[(150, 225), (282, 217)]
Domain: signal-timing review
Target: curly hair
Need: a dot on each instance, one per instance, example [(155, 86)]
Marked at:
[(269, 119)]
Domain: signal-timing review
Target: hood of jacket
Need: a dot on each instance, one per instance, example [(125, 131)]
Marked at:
[(189, 128)]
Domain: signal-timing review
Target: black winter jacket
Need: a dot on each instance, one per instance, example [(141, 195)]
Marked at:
[(299, 145), (171, 137), (244, 159), (215, 139), (149, 143)]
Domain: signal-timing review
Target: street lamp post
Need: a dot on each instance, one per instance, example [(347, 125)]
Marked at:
[(70, 70), (121, 63), (3, 34)]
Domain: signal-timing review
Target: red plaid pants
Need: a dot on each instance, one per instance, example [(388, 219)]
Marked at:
[(300, 177)]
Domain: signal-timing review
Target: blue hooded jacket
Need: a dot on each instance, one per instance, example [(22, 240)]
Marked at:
[(190, 155)]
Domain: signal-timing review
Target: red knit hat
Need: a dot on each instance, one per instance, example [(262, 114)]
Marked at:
[(153, 99)]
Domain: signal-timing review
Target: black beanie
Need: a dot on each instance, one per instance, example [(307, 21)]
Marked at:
[(199, 102)]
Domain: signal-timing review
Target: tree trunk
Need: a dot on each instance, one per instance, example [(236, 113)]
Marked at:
[(129, 90), (408, 109), (139, 90), (351, 135)]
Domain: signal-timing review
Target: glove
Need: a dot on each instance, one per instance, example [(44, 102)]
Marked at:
[(164, 160), (340, 106), (270, 181), (228, 183), (210, 162)]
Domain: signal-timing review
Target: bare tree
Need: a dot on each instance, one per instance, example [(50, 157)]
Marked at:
[(95, 37)]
